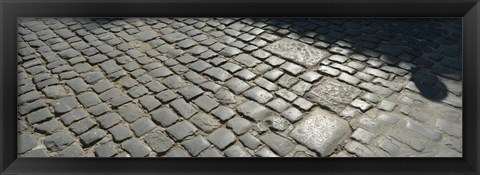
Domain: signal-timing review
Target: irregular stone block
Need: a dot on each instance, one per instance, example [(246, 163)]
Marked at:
[(297, 52), (321, 131), (333, 94)]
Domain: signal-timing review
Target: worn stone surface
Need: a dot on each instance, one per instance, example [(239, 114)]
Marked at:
[(234, 87), (281, 145), (26, 142), (136, 148), (222, 138), (321, 131), (297, 52), (159, 141), (333, 94)]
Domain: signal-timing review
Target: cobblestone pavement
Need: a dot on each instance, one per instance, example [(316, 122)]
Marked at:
[(157, 87)]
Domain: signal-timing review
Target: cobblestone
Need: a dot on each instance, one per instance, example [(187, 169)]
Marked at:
[(222, 138), (325, 128), (142, 126), (74, 150), (82, 126), (49, 127), (130, 112), (120, 133), (92, 136), (239, 125), (58, 141), (26, 142), (159, 141), (181, 130), (250, 141), (106, 150), (215, 87), (196, 145), (136, 148), (236, 151)]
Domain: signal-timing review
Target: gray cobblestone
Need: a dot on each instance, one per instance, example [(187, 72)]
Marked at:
[(413, 142), (74, 150), (250, 141), (359, 149), (136, 148), (258, 94), (222, 138), (49, 127), (130, 112), (287, 81), (244, 79), (120, 133), (36, 153), (329, 71), (236, 151), (142, 126), (77, 84), (239, 125), (247, 60), (376, 89), (26, 142), (426, 132), (196, 145), (88, 99), (181, 130), (58, 141), (28, 97), (265, 152), (82, 126), (92, 136), (236, 85), (218, 74), (279, 144), (106, 150), (386, 105)]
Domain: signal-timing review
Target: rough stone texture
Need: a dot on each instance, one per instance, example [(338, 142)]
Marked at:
[(120, 133), (181, 106), (236, 151), (74, 150), (254, 110), (64, 104), (222, 138), (130, 112), (58, 141), (92, 136), (181, 130), (205, 122), (281, 145), (39, 116), (321, 131), (179, 87), (136, 148), (106, 150), (158, 141), (297, 52), (164, 116), (196, 145), (142, 126), (333, 94), (26, 142), (54, 91)]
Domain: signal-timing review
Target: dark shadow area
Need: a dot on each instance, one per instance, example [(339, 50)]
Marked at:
[(426, 47)]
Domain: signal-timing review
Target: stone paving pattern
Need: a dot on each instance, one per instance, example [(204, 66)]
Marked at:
[(235, 87)]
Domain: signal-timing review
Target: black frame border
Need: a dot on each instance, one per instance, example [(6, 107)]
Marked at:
[(469, 10)]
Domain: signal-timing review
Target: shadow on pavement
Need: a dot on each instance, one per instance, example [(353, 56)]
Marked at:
[(427, 47)]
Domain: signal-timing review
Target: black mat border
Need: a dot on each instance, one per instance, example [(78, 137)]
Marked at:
[(468, 9)]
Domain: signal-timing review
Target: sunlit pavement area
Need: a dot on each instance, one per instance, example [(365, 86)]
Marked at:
[(235, 87)]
